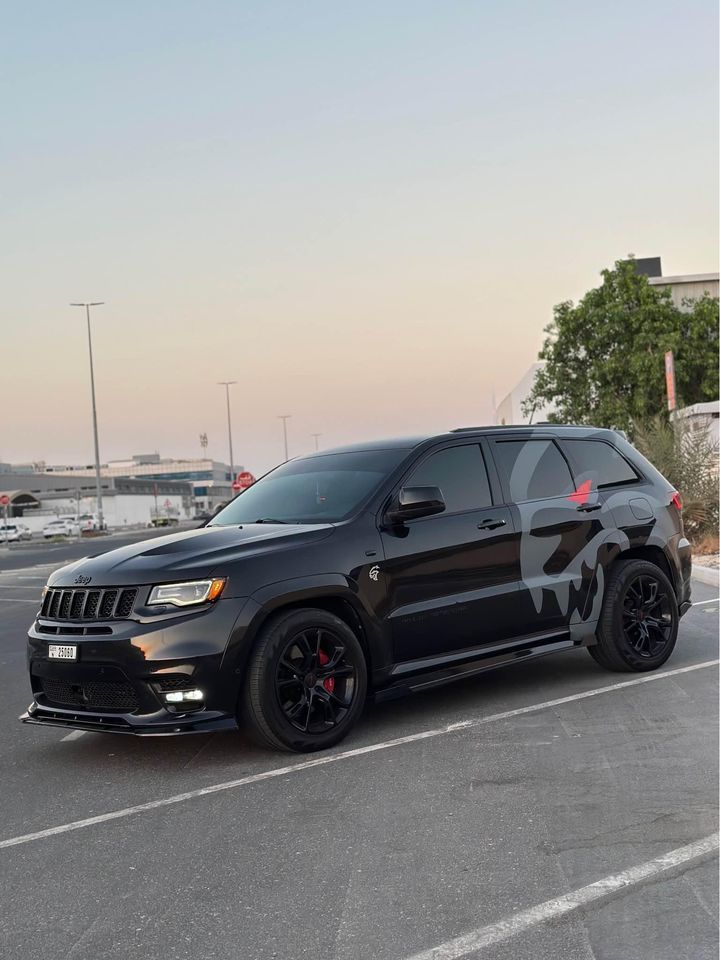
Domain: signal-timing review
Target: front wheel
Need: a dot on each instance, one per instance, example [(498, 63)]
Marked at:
[(639, 621), (306, 682)]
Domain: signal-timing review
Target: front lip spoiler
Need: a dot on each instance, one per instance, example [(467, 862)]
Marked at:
[(684, 607), (116, 723)]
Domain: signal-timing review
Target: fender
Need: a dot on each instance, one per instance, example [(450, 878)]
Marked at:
[(304, 591)]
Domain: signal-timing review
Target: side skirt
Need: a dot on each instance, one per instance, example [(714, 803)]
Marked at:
[(468, 664)]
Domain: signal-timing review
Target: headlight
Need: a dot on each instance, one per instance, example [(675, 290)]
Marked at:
[(187, 594)]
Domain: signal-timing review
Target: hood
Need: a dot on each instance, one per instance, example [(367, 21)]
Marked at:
[(191, 555)]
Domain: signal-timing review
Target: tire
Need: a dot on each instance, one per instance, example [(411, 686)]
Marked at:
[(306, 682), (638, 625)]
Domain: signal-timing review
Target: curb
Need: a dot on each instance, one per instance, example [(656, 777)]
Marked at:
[(707, 575)]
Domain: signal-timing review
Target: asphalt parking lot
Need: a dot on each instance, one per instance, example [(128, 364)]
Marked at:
[(548, 810)]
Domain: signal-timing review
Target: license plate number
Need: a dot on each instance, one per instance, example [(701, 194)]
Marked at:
[(62, 651)]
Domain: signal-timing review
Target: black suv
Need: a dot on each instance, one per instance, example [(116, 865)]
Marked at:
[(378, 568)]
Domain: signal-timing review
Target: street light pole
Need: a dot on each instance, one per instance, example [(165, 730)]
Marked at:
[(227, 384), (98, 481), (285, 417), (317, 437)]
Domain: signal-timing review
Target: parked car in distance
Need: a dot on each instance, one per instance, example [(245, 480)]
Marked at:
[(164, 522), (89, 522), (64, 527), (14, 532), (377, 569)]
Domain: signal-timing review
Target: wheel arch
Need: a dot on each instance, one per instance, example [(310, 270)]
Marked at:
[(653, 554), (610, 553), (333, 595)]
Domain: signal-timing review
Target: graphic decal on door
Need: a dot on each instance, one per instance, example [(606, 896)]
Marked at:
[(560, 543), (582, 494)]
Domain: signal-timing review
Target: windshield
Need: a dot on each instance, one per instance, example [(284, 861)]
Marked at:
[(321, 489)]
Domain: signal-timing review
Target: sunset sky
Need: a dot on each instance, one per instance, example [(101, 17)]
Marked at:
[(363, 212)]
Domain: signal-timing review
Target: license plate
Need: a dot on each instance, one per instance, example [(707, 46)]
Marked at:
[(62, 651)]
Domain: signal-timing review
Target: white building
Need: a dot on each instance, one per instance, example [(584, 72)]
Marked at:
[(210, 479), (510, 409), (38, 498), (688, 286), (701, 418)]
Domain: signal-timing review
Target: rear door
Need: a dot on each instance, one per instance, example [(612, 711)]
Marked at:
[(451, 579), (561, 521)]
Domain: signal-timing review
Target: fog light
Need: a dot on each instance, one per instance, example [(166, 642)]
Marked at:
[(177, 696)]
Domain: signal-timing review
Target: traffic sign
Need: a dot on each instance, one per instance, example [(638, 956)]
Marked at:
[(243, 481), (4, 500)]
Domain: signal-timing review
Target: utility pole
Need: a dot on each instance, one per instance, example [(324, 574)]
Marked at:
[(98, 481), (227, 384), (285, 417), (317, 437)]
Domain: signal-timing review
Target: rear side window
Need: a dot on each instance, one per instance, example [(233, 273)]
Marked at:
[(533, 469), (461, 475), (599, 462)]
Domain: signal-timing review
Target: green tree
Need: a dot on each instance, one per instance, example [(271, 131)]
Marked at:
[(604, 357), (696, 357)]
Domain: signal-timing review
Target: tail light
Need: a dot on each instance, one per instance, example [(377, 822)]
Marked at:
[(676, 500)]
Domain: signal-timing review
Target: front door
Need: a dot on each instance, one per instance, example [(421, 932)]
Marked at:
[(451, 579)]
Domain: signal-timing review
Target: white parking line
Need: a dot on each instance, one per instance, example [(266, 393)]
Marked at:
[(699, 603), (73, 735), (600, 890), (345, 755)]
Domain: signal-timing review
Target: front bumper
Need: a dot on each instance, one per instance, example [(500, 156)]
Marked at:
[(159, 725), (116, 684)]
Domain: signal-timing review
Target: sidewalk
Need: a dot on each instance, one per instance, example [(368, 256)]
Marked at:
[(706, 569)]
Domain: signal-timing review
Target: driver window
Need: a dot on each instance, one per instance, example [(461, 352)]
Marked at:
[(460, 474)]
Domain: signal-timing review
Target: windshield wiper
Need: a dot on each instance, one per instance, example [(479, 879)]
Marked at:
[(271, 520)]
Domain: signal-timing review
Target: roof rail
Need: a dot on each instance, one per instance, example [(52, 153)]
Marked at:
[(468, 429), (524, 426), (495, 426)]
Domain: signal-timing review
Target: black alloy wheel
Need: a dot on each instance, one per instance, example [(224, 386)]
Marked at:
[(647, 616), (306, 681), (638, 625), (315, 680)]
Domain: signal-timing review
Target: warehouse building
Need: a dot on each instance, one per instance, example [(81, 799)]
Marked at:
[(41, 497), (210, 480)]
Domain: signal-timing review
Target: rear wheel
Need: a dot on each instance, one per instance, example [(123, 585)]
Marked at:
[(306, 682), (639, 620)]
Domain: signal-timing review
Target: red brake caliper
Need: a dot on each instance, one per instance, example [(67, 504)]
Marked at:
[(329, 683)]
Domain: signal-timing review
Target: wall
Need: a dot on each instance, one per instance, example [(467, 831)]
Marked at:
[(120, 510), (691, 287)]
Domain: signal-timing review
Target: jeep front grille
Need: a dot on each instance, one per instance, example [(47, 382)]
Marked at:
[(110, 603)]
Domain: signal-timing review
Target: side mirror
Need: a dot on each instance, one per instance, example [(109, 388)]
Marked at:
[(415, 502)]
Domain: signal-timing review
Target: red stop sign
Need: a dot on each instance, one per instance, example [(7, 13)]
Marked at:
[(243, 481), (4, 500)]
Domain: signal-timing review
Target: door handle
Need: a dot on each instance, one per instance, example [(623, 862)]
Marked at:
[(491, 524), (588, 507)]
